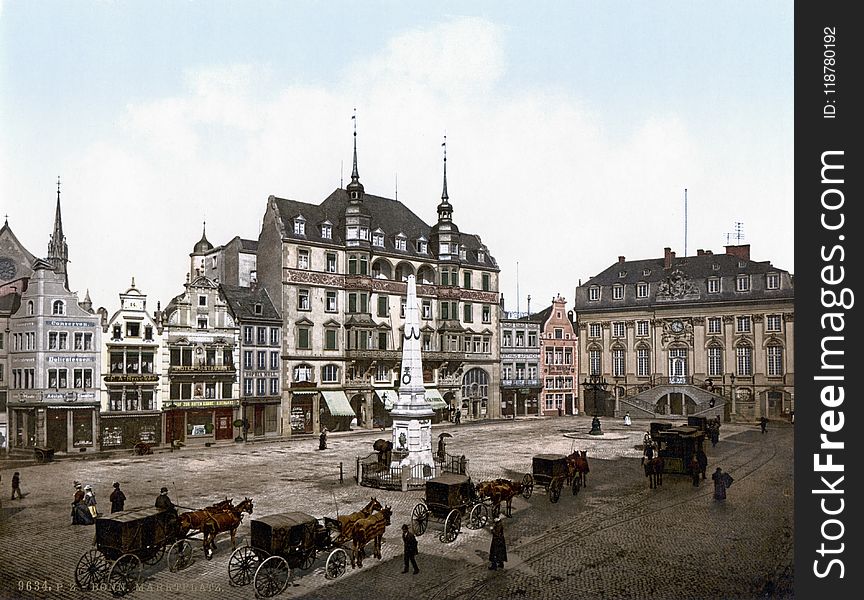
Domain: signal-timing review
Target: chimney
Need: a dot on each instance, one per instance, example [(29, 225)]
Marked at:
[(700, 252), (620, 259), (668, 258), (742, 251)]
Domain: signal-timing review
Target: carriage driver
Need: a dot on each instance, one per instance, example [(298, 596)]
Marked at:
[(164, 502)]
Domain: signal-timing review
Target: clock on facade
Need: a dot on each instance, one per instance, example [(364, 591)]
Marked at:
[(8, 270), (677, 326)]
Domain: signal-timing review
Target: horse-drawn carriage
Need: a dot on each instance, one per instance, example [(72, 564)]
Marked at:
[(502, 491), (286, 541), (449, 498), (125, 540), (677, 445), (552, 471)]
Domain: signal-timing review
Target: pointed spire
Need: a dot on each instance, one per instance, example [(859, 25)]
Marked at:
[(58, 252), (355, 188), (203, 245), (444, 195)]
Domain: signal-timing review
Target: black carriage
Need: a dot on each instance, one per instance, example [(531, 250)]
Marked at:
[(676, 446), (449, 498), (127, 540), (552, 472), (283, 542)]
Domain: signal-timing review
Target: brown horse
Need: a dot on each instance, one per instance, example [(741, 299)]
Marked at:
[(346, 522), (654, 471), (498, 491), (192, 520), (577, 466), (228, 520), (369, 529)]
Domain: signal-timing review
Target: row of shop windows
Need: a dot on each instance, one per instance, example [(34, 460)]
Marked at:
[(131, 361), (183, 357), (130, 399), (57, 340)]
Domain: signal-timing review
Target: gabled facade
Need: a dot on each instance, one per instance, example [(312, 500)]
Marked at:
[(337, 271), (559, 358), (234, 263), (200, 393), (260, 361), (131, 359), (663, 329)]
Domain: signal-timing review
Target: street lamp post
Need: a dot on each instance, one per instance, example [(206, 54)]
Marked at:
[(595, 383), (732, 392)]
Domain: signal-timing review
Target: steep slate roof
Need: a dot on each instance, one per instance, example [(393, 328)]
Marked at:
[(391, 216), (242, 301), (697, 269), (250, 245)]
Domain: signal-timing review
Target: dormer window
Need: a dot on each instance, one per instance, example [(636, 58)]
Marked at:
[(646, 272), (742, 264), (401, 242), (58, 308), (715, 267), (299, 226), (713, 285), (594, 293), (378, 238), (742, 283), (641, 290), (772, 281), (463, 252), (617, 291), (481, 256), (327, 231), (259, 309), (421, 246), (622, 274)]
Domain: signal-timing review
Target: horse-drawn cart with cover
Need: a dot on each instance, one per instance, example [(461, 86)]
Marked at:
[(287, 541), (448, 498)]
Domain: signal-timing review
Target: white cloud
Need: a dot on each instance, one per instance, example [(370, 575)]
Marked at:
[(535, 173)]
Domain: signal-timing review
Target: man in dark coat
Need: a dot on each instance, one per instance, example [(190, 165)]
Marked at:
[(164, 502), (117, 497), (763, 423), (721, 482), (322, 440), (498, 549), (693, 467), (410, 544), (16, 485), (703, 461)]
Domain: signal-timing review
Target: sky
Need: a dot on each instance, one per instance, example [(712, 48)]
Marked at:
[(573, 128)]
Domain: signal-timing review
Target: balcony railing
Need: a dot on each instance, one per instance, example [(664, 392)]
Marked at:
[(520, 383)]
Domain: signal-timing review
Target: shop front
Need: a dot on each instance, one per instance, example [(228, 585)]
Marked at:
[(64, 428), (303, 403), (336, 411), (199, 423), (121, 431)]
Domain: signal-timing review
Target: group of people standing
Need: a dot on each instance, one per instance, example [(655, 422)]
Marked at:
[(84, 506)]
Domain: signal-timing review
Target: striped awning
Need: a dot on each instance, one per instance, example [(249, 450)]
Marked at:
[(304, 391), (390, 400), (434, 397), (338, 403)]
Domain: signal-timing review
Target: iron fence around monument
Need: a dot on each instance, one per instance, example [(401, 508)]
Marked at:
[(372, 471)]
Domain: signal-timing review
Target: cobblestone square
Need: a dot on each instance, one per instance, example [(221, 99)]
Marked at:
[(615, 539)]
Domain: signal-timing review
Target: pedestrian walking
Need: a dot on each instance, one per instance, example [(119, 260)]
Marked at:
[(703, 461), (498, 548), (80, 514), (90, 500), (118, 498), (458, 416), (763, 423), (722, 481), (410, 549), (322, 439), (694, 469), (16, 485)]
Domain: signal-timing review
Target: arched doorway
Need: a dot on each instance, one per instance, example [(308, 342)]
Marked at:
[(475, 394), (358, 405)]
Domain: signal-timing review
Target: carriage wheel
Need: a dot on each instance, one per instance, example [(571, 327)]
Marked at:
[(155, 557), (420, 519), (478, 517), (92, 569), (336, 565), (452, 526), (527, 485), (179, 555), (272, 577), (125, 575), (308, 559), (242, 565), (555, 489)]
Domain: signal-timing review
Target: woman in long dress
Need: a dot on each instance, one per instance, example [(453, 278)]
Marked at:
[(719, 478), (498, 549)]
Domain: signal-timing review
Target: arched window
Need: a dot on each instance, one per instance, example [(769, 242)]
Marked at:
[(58, 307), (715, 360), (744, 360), (330, 374), (303, 372), (475, 384), (29, 307)]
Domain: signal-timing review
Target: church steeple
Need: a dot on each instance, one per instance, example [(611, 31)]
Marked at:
[(355, 188), (58, 252)]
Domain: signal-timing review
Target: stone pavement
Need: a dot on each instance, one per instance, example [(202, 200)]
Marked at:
[(615, 539)]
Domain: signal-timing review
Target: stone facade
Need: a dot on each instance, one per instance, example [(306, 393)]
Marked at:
[(559, 361), (722, 322), (521, 382)]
